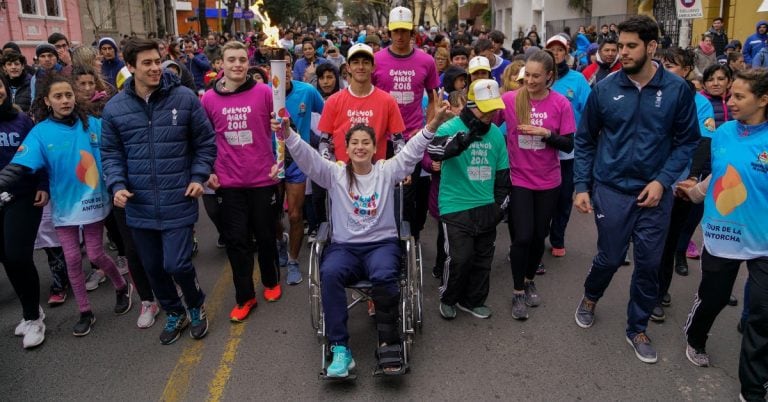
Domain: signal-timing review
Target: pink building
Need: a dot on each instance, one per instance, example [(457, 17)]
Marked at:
[(29, 22)]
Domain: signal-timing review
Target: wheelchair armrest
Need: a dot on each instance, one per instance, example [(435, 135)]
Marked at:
[(323, 232), (405, 230)]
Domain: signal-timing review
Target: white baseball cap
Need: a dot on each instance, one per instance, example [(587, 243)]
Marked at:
[(360, 48), (479, 63), (400, 18), (486, 95), (557, 40)]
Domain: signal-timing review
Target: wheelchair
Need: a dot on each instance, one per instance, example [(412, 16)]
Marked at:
[(411, 301)]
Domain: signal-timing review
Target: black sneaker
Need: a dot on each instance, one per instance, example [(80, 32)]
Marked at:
[(123, 300), (681, 264), (666, 301), (199, 325), (174, 325), (84, 324), (541, 269), (658, 314), (585, 313), (733, 301)]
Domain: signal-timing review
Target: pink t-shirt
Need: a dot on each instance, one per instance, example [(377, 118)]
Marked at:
[(532, 163), (243, 136), (406, 78)]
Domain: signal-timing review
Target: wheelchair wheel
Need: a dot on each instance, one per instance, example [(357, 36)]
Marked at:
[(417, 290), (315, 298)]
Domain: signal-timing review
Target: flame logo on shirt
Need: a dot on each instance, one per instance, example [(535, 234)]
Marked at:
[(87, 171), (729, 191)]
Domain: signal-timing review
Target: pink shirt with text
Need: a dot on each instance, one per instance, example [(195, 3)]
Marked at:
[(243, 136), (406, 78), (532, 163)]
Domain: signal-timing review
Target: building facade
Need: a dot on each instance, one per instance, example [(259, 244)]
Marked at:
[(551, 16), (30, 22)]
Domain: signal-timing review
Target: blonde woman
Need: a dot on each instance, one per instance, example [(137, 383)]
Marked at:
[(89, 58), (509, 78), (442, 59)]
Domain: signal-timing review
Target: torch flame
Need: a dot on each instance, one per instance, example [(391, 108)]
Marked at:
[(273, 33)]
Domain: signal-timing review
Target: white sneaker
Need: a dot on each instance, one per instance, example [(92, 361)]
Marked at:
[(122, 264), (96, 278), (21, 329), (35, 334), (147, 315)]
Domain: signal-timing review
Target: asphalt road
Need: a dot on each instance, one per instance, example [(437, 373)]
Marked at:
[(275, 356)]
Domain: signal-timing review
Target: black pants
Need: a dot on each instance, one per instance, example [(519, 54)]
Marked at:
[(318, 202), (212, 204), (681, 209), (114, 234), (416, 201), (530, 212), (689, 227), (717, 278), (753, 362), (564, 205), (58, 266), (19, 220), (246, 214), (467, 269), (135, 267)]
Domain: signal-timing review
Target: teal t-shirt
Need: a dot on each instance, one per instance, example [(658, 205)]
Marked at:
[(72, 159), (736, 203), (467, 180)]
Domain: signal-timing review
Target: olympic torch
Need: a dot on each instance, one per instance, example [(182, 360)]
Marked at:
[(277, 71)]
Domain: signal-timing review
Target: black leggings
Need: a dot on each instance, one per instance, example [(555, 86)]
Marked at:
[(135, 267), (681, 209), (530, 212), (113, 233), (19, 220)]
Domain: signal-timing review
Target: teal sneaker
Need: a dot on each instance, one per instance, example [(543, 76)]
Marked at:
[(342, 362)]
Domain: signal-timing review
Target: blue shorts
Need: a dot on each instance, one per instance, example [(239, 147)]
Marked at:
[(294, 175)]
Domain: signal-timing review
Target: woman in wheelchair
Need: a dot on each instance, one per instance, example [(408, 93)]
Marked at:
[(364, 241)]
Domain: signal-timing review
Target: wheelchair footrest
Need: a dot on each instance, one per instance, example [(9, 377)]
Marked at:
[(350, 377)]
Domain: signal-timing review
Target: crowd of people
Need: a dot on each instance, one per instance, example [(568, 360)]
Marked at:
[(653, 139)]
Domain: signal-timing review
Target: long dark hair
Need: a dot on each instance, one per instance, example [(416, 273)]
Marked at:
[(41, 111), (357, 127)]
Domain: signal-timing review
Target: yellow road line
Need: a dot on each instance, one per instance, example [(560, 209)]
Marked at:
[(219, 382), (178, 381), (220, 379)]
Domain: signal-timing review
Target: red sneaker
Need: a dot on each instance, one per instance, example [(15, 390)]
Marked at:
[(241, 311), (57, 298), (272, 294), (558, 252)]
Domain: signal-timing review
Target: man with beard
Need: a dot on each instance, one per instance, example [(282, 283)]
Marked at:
[(606, 63), (637, 134)]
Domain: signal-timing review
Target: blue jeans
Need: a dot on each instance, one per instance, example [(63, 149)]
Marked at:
[(167, 258), (346, 263), (618, 219)]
